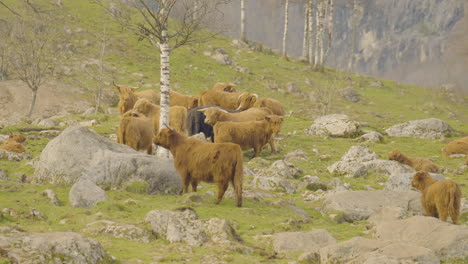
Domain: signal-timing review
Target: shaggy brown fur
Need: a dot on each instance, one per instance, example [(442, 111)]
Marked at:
[(196, 161), (177, 115), (439, 199), (459, 146), (226, 100), (224, 87), (136, 131), (250, 134), (214, 114), (417, 163), (128, 97), (13, 144), (187, 101), (274, 105)]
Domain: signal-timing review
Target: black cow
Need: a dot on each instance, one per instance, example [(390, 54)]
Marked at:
[(195, 122)]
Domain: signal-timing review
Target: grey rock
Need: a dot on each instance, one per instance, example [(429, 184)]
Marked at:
[(431, 128), (282, 169), (47, 123), (222, 57), (57, 247), (89, 111), (78, 153), (273, 184), (445, 239), (351, 95), (86, 194), (88, 123), (359, 205), (371, 136), (336, 125), (119, 230), (52, 196), (296, 155), (293, 89), (13, 156), (402, 181), (386, 214), (302, 241), (4, 175)]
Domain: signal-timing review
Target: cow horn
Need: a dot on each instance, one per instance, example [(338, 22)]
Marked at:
[(222, 110), (113, 83), (255, 95), (232, 85), (242, 94)]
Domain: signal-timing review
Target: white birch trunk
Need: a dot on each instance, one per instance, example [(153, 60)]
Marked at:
[(318, 37), (285, 33), (243, 37), (321, 29), (310, 36), (330, 28), (101, 70), (353, 34), (195, 9), (305, 49)]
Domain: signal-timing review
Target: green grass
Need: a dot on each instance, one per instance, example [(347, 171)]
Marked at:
[(191, 71)]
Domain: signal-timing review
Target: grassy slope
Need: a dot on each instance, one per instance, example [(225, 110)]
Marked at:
[(193, 71)]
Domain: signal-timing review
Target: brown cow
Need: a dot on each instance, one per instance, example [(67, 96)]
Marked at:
[(136, 131), (187, 101), (423, 164), (224, 87), (177, 115), (440, 199), (274, 105), (13, 143), (128, 97), (226, 100), (250, 134), (459, 146), (196, 161), (214, 114)]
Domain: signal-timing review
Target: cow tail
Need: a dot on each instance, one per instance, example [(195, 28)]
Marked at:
[(454, 202), (122, 129), (238, 177)]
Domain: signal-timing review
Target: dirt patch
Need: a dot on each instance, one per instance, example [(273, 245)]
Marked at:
[(53, 98)]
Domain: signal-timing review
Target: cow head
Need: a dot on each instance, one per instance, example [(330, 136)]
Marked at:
[(419, 180), (126, 97), (211, 115), (396, 155), (193, 101), (275, 123), (165, 138), (224, 87), (246, 101), (142, 106), (17, 137)]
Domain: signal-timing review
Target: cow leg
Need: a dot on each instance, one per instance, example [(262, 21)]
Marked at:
[(272, 145), (185, 181), (150, 149), (194, 185), (256, 151), (222, 187)]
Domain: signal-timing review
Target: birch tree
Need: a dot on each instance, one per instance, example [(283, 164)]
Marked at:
[(320, 15), (152, 24), (305, 44), (330, 28), (285, 32), (242, 33), (353, 34), (310, 36)]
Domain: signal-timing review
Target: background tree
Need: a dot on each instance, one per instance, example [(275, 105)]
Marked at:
[(305, 42), (354, 23), (310, 36), (36, 45), (285, 32), (242, 33), (152, 24), (329, 29)]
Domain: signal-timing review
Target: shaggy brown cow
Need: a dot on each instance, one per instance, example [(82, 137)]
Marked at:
[(177, 115), (459, 146), (187, 101), (224, 87), (214, 114), (136, 131), (196, 161), (439, 199), (128, 97), (13, 144), (423, 164), (274, 105), (250, 134), (226, 100)]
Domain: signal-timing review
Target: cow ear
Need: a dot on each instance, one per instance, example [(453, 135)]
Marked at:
[(134, 88), (281, 117), (268, 117)]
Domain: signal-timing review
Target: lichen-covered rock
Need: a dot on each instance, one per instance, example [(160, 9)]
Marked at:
[(431, 128), (402, 181), (296, 155), (54, 248), (52, 197), (119, 230), (371, 136), (359, 205), (336, 125), (273, 184), (282, 169), (78, 153), (13, 156), (85, 194), (445, 239), (303, 241)]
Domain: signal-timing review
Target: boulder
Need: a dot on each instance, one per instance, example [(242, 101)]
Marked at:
[(222, 57), (52, 197), (371, 136), (336, 125), (282, 169), (363, 250), (86, 194), (79, 153), (402, 181), (386, 214), (445, 239), (303, 241), (183, 226), (4, 175), (119, 230), (431, 128), (359, 205), (48, 122), (273, 184), (296, 155), (350, 95), (57, 247), (13, 156)]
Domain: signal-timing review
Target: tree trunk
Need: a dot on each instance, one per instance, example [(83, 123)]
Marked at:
[(33, 103), (353, 35), (165, 90), (321, 29), (285, 33), (58, 2), (101, 71), (318, 34), (305, 53), (243, 38), (331, 9), (310, 36)]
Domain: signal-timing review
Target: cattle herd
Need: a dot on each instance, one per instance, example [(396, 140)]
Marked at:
[(231, 120)]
